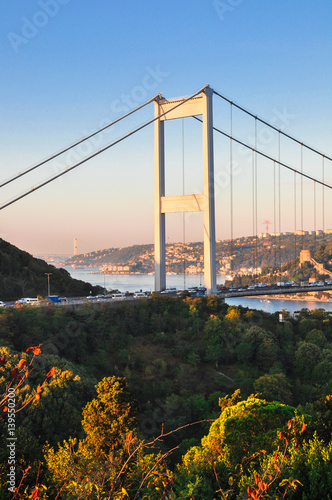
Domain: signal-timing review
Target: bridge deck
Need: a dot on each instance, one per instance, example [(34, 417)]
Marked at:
[(281, 291)]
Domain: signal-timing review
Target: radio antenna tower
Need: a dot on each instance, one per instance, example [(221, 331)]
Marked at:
[(267, 223), (267, 235)]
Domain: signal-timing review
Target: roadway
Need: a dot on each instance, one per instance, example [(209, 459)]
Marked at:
[(79, 301), (274, 291)]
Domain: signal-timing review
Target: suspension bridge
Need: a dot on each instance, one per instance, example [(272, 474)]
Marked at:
[(200, 107)]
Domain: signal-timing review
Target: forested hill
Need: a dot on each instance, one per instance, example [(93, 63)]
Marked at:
[(22, 275), (236, 395)]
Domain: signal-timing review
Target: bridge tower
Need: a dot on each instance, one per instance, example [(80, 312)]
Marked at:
[(205, 202)]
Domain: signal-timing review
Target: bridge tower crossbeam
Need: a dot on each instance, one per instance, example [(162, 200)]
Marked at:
[(205, 202)]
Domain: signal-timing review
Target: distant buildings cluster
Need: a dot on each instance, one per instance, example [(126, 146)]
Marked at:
[(232, 255), (298, 232)]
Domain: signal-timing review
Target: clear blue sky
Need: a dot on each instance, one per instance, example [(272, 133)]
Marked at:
[(68, 66)]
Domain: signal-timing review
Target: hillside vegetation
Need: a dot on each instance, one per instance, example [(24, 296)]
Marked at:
[(22, 275), (158, 365)]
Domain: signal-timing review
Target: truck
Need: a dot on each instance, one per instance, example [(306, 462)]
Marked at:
[(53, 298)]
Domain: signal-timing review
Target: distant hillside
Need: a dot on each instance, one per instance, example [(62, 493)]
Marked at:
[(238, 255), (22, 275), (126, 255), (111, 256)]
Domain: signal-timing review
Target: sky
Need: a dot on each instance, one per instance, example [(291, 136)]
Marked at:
[(68, 67)]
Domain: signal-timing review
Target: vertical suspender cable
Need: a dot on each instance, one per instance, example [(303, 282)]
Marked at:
[(231, 180), (183, 214), (294, 214), (323, 199), (302, 236), (253, 209), (315, 239), (279, 200), (256, 194), (274, 214)]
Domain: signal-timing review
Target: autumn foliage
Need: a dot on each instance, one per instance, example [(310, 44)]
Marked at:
[(17, 376)]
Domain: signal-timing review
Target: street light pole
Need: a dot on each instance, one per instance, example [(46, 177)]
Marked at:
[(48, 284)]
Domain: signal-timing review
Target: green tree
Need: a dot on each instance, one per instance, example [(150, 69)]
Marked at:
[(109, 421), (307, 356), (311, 465), (242, 430), (109, 418), (274, 387), (316, 337)]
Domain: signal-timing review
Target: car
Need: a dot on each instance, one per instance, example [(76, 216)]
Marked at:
[(118, 296), (28, 301), (137, 295), (2, 304)]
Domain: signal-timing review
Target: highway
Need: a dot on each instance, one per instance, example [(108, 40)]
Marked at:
[(79, 301), (274, 291)]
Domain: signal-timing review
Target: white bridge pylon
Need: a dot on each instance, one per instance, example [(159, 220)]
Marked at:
[(202, 202)]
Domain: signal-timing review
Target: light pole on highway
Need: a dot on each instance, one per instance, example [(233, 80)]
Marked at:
[(48, 284)]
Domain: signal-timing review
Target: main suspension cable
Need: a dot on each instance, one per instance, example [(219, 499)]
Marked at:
[(31, 169), (271, 126), (269, 157), (101, 150)]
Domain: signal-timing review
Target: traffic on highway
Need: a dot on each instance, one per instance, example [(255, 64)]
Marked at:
[(222, 291)]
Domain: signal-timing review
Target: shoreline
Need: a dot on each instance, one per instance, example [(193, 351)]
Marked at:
[(287, 297)]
